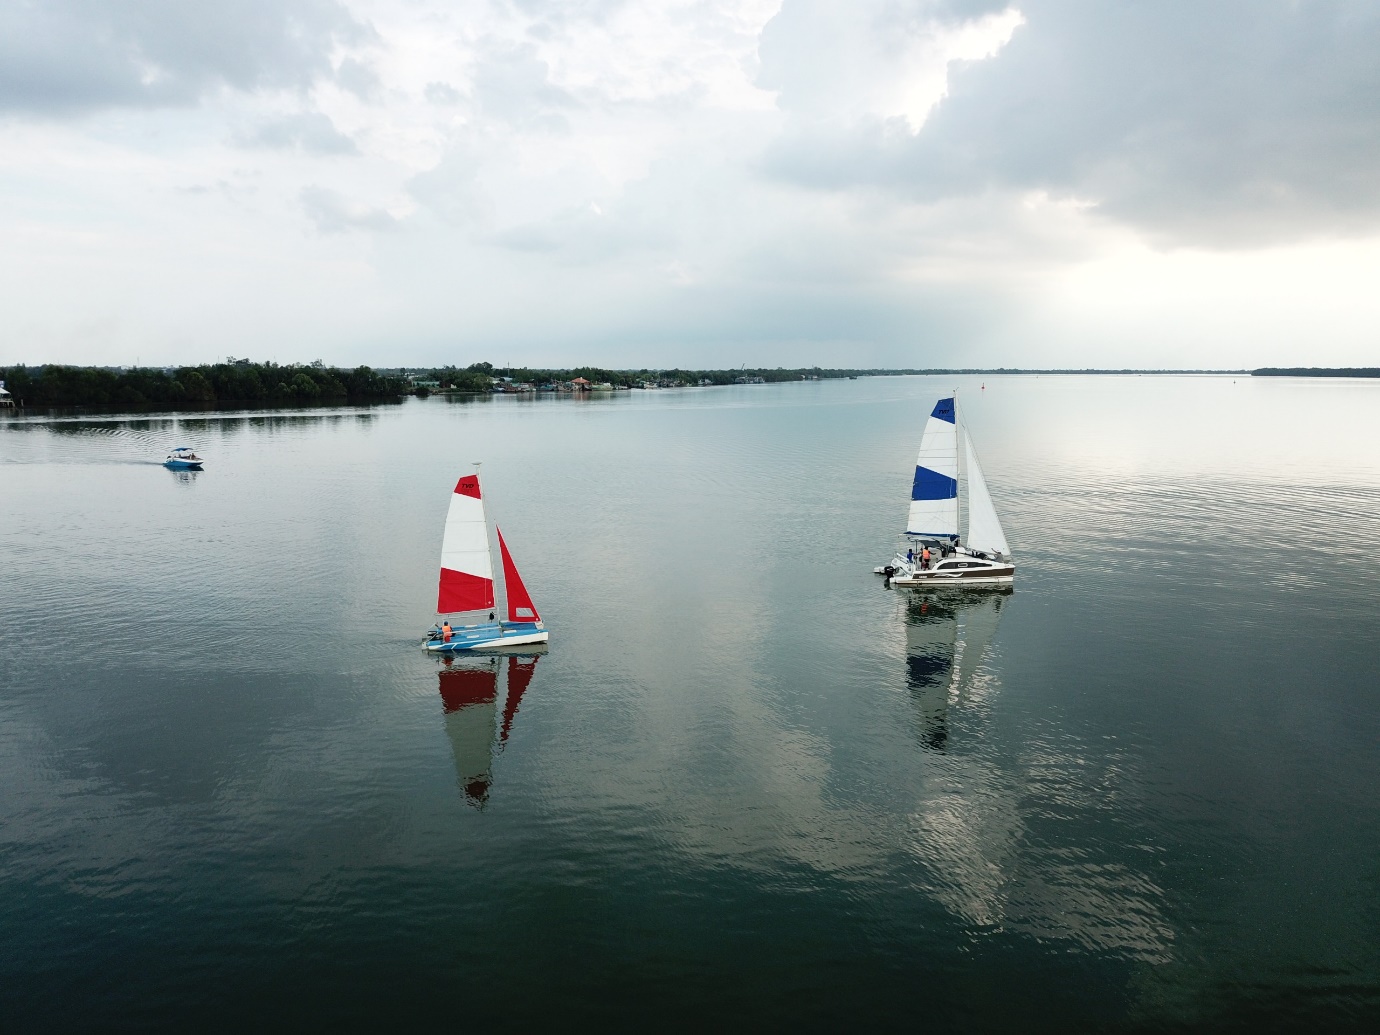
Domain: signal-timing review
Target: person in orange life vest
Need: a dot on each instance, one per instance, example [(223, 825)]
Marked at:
[(445, 631), (925, 557)]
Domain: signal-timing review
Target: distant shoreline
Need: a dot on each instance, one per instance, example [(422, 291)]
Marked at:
[(242, 385), (1316, 372)]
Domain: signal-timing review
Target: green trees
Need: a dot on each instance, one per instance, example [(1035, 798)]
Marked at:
[(304, 387), (56, 385), (195, 387), (317, 384)]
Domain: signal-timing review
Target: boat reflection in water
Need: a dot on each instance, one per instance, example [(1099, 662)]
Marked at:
[(470, 687), (947, 635)]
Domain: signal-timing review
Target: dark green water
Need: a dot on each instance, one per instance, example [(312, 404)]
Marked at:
[(747, 786)]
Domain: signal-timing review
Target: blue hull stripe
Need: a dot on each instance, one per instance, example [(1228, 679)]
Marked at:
[(931, 485), (488, 634)]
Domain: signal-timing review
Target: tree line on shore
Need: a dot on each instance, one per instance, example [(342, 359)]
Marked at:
[(479, 377), (240, 382), (244, 382), (1317, 372)]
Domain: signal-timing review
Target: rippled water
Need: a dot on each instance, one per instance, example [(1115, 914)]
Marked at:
[(747, 785)]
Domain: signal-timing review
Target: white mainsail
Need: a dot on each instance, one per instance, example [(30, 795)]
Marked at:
[(467, 569), (934, 494), (984, 529)]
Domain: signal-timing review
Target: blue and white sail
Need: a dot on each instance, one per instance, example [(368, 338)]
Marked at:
[(984, 528), (934, 494)]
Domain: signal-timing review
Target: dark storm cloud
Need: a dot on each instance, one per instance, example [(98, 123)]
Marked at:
[(1233, 123), (69, 56)]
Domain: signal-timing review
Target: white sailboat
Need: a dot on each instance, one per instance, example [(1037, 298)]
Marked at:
[(467, 583), (983, 558)]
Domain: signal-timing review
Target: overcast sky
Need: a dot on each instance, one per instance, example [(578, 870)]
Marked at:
[(702, 183)]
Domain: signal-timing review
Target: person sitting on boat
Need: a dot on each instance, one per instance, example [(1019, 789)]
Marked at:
[(446, 631)]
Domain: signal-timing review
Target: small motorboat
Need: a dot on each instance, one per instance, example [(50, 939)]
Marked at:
[(183, 458)]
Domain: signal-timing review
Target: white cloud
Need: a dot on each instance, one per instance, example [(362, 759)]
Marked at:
[(71, 56), (333, 214), (891, 181), (309, 131), (887, 63)]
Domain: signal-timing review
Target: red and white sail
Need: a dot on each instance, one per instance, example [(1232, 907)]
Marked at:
[(467, 570), (520, 606)]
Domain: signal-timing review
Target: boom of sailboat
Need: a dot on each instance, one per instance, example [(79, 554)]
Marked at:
[(466, 586), (935, 555)]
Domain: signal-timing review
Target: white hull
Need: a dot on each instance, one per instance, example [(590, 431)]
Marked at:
[(933, 580), (957, 570), (511, 641)]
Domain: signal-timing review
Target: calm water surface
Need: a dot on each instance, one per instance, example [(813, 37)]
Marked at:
[(747, 785)]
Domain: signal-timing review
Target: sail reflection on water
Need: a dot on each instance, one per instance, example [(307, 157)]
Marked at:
[(1001, 828), (947, 636), (470, 687), (520, 672)]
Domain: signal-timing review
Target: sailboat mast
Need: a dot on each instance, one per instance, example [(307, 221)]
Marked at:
[(964, 488)]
